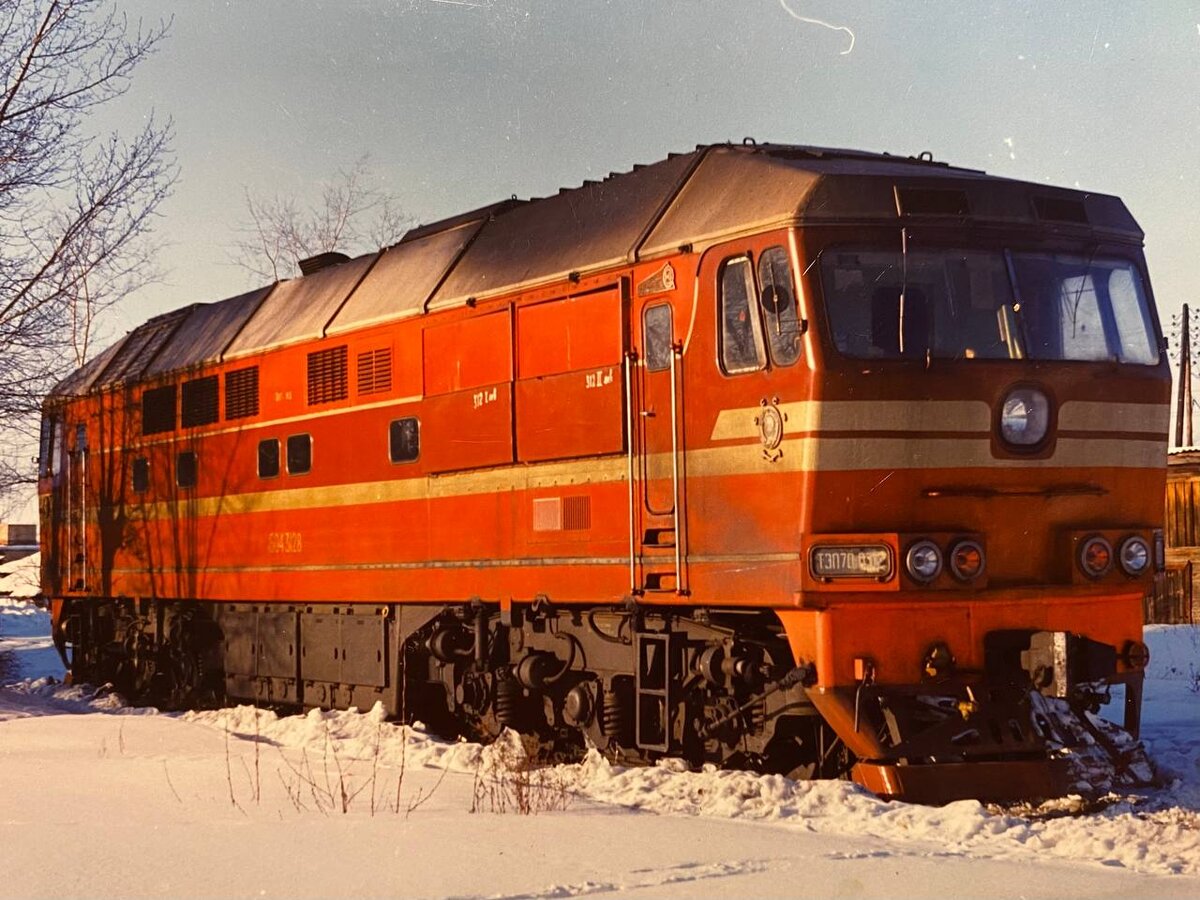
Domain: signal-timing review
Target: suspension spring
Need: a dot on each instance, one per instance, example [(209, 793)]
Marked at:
[(508, 701), (614, 716)]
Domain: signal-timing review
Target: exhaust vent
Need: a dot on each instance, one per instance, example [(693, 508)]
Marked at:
[(322, 261)]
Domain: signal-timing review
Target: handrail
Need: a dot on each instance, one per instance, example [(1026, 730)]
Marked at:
[(83, 516), (676, 357), (70, 478), (628, 361)]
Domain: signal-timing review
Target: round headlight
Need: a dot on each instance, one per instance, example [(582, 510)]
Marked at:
[(1095, 556), (923, 561), (966, 560), (1134, 555), (1024, 417)]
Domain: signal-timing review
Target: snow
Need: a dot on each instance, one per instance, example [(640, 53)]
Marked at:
[(98, 798)]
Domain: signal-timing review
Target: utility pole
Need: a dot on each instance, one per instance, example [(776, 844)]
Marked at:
[(1183, 411)]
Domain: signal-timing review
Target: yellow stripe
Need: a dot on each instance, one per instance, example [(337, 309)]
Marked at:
[(1079, 415), (799, 455), (814, 416)]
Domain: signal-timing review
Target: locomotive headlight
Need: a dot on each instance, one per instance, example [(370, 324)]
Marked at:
[(1095, 556), (1024, 417), (967, 560), (1133, 555), (923, 561)]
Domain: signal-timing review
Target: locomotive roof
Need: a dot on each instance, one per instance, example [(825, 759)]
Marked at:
[(690, 198)]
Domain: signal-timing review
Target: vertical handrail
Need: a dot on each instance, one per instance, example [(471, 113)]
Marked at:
[(83, 516), (70, 508), (629, 426), (676, 356)]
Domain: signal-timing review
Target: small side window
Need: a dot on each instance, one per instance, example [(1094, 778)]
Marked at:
[(657, 336), (268, 458), (404, 440), (46, 446), (299, 454), (741, 334), (185, 469), (141, 475), (778, 302)]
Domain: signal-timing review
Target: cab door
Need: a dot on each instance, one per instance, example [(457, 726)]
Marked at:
[(656, 370)]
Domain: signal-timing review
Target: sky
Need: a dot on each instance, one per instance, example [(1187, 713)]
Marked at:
[(459, 103)]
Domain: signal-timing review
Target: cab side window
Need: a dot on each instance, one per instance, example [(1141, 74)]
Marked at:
[(778, 302), (741, 334)]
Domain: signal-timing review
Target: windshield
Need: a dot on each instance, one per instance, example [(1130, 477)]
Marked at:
[(977, 304)]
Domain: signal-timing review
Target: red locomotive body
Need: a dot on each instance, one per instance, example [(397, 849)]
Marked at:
[(816, 461)]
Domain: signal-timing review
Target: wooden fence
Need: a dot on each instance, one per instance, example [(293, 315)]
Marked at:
[(1169, 601)]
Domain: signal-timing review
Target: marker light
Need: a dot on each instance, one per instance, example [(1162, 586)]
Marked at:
[(1133, 555), (966, 560), (1095, 557), (1024, 417), (923, 561)]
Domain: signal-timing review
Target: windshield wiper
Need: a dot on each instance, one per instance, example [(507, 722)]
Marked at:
[(1012, 323)]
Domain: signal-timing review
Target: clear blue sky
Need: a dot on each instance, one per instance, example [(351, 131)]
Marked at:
[(462, 102)]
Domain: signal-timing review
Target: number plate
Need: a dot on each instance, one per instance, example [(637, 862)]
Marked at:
[(851, 561)]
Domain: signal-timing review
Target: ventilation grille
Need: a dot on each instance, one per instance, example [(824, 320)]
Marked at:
[(375, 371), (576, 513), (241, 393), (562, 514), (327, 380), (200, 405), (158, 410)]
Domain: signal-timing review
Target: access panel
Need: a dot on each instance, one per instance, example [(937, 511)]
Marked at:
[(570, 397)]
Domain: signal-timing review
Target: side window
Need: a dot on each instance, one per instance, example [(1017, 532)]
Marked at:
[(404, 440), (46, 446), (741, 340), (299, 454), (141, 475), (657, 336), (185, 469), (268, 458), (779, 306)]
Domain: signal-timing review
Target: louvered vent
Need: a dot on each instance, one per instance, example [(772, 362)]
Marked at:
[(158, 410), (327, 379), (576, 513), (200, 405), (375, 371), (241, 393), (562, 513)]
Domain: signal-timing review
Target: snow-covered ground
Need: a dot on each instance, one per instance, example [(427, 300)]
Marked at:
[(100, 799)]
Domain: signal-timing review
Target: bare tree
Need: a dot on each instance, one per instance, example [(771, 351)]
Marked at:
[(352, 215), (75, 206)]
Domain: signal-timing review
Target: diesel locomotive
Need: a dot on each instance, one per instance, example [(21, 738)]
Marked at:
[(812, 461)]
